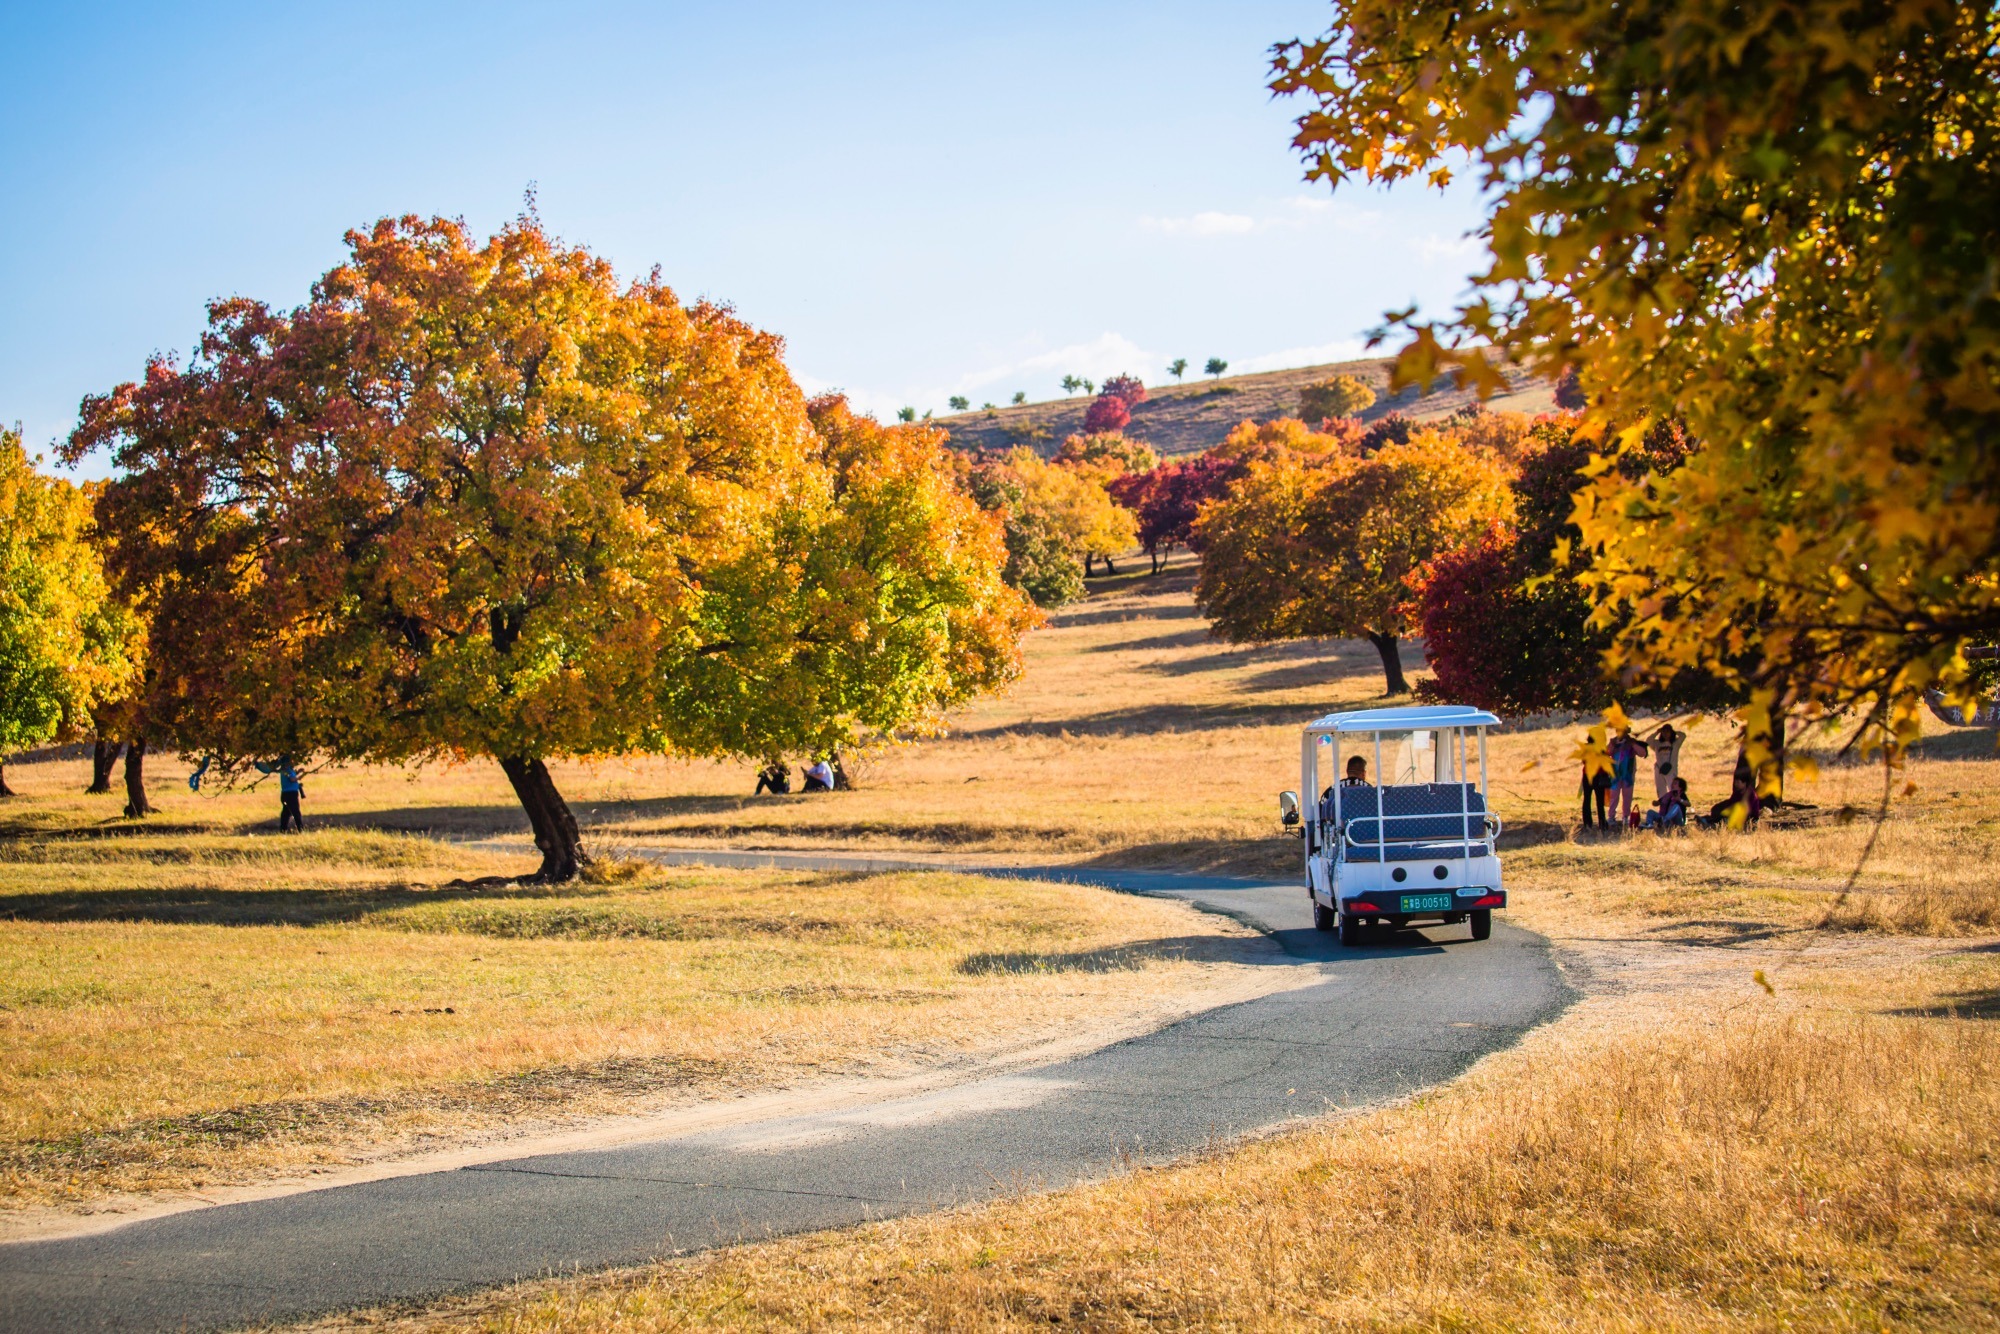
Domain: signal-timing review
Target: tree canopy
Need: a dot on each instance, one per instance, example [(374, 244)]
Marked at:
[(482, 499), (1325, 545), (1771, 220), (64, 641)]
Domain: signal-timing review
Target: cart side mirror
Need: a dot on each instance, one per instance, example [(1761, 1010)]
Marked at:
[(1288, 808)]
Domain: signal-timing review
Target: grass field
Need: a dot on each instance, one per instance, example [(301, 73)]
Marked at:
[(182, 1008)]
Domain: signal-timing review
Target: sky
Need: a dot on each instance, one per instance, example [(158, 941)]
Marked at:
[(925, 200)]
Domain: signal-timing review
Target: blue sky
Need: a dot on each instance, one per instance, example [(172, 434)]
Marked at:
[(925, 200)]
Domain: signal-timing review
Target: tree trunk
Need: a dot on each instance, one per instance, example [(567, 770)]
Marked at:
[(1087, 559), (136, 804), (1392, 664), (1153, 556), (104, 755), (563, 857), (1109, 568), (5, 791)]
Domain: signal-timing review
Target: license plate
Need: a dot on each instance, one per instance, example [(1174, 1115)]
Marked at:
[(1426, 903)]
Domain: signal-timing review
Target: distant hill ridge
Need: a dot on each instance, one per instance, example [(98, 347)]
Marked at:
[(1188, 418)]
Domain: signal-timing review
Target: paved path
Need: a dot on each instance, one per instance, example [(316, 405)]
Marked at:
[(1375, 1022)]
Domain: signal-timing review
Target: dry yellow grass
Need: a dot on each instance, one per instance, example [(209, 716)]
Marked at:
[(192, 1008), (1682, 1150), (1726, 1160)]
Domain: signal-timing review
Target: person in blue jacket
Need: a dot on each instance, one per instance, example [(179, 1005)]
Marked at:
[(290, 792)]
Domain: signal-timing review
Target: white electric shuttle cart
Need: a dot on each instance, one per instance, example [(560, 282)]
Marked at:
[(1406, 837)]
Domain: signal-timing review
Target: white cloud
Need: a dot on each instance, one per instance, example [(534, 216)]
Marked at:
[(1202, 224), (1294, 214), (1341, 349), (1448, 249)]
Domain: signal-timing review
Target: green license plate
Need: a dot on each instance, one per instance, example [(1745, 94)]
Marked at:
[(1426, 903)]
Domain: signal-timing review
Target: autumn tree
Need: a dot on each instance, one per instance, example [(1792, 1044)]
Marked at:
[(1312, 546), (1090, 522), (1507, 619), (1127, 387), (1106, 413), (1107, 454), (1391, 428), (64, 644), (1338, 396), (1043, 561), (482, 499), (891, 599), (1251, 442), (1167, 500), (1772, 221)]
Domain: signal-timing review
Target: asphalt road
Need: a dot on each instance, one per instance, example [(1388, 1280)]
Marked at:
[(1405, 1012)]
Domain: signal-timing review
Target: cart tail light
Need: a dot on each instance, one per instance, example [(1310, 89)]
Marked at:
[(1359, 905), (1491, 901)]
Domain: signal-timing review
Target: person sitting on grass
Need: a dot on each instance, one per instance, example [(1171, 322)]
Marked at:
[(819, 777), (1742, 793), (1671, 810), (775, 778)]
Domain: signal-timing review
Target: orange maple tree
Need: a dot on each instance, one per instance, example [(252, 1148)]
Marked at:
[(481, 498)]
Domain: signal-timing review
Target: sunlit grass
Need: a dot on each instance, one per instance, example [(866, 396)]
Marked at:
[(1730, 1161), (180, 1009)]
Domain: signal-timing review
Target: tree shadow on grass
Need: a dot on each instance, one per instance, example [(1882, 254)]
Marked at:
[(507, 818), (1958, 1005), (1971, 743), (261, 907), (1114, 959), (1145, 718)]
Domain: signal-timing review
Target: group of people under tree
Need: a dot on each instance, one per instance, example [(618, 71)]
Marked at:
[(1608, 782), (825, 774)]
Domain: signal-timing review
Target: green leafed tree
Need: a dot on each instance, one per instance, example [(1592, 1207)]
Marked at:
[(65, 642), (1216, 366), (1177, 367), (959, 403)]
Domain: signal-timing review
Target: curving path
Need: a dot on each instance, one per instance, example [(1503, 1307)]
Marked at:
[(1370, 1024)]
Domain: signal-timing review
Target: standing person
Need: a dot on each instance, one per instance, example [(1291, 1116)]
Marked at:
[(1594, 785), (1625, 752), (290, 793), (1667, 745)]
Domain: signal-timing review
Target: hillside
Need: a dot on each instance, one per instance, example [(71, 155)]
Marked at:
[(1188, 418)]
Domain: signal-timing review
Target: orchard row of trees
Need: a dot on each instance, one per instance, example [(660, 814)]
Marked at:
[(482, 499)]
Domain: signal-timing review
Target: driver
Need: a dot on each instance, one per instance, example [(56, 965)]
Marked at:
[(1357, 772)]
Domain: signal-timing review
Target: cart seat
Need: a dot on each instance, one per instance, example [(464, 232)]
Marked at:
[(1416, 821), (1415, 852)]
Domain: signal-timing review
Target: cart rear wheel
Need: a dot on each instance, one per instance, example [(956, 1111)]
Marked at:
[(1322, 916), (1350, 929), (1482, 922)]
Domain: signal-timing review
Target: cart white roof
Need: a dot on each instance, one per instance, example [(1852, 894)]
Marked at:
[(1404, 719)]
